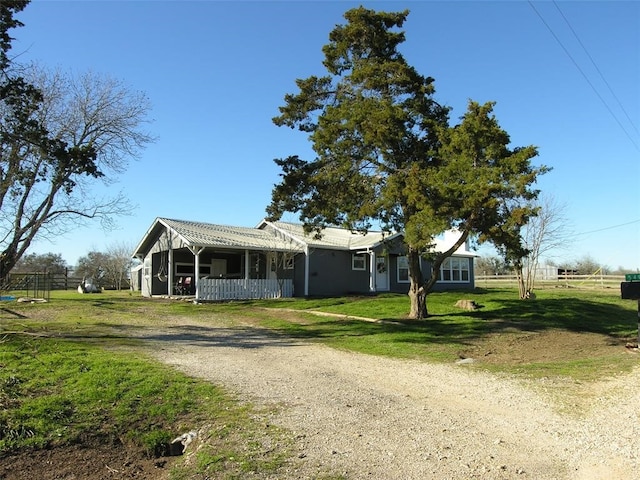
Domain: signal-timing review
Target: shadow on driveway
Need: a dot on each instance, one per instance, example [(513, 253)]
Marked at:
[(194, 335)]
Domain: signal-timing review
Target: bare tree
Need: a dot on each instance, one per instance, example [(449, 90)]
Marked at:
[(587, 265), (118, 264), (545, 234), (96, 124), (491, 265)]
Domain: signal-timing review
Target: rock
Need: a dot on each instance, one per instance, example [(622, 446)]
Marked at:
[(467, 304), (464, 361), (179, 444)]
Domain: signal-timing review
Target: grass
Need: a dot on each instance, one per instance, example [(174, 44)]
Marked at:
[(450, 332), (70, 371), (65, 380)]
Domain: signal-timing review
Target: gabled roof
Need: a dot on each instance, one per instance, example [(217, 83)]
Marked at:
[(212, 235), (199, 234), (270, 236), (332, 237)]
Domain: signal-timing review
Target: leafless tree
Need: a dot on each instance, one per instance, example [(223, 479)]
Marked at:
[(544, 235), (119, 263), (97, 123)]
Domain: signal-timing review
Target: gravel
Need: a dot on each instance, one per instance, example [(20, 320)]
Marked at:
[(364, 416)]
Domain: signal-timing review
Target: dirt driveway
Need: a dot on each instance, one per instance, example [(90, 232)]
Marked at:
[(369, 417)]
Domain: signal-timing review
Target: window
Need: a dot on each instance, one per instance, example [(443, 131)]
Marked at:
[(288, 261), (454, 269), (186, 269), (359, 261), (147, 267), (403, 269)]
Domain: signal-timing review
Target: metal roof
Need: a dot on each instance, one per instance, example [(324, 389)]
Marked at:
[(225, 236), (333, 237), (272, 236), (282, 236)]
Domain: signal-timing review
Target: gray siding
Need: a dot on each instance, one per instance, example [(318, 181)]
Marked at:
[(330, 273)]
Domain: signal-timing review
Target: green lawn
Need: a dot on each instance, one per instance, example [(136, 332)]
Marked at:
[(70, 371)]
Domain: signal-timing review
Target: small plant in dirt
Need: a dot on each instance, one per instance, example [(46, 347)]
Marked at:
[(157, 443)]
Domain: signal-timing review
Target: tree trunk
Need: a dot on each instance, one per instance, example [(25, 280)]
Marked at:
[(418, 298), (8, 260), (522, 288), (417, 293)]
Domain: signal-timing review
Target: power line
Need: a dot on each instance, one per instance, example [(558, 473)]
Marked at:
[(609, 228), (596, 67), (584, 75)]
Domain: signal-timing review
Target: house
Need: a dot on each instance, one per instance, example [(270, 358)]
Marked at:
[(278, 259)]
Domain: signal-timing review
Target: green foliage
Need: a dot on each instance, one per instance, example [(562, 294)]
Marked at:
[(58, 134), (29, 155), (35, 262), (387, 155)]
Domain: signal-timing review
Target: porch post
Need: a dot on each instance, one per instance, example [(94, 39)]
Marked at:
[(196, 253), (170, 272), (196, 274), (306, 270), (372, 271), (247, 268)]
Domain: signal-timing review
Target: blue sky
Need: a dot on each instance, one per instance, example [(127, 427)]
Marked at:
[(565, 76)]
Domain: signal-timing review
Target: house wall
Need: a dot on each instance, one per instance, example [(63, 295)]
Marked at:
[(298, 275), (330, 273)]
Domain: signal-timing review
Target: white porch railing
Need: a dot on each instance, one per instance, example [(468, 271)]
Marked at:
[(212, 289)]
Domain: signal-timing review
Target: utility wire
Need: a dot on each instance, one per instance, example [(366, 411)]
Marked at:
[(584, 76), (609, 228), (596, 67)]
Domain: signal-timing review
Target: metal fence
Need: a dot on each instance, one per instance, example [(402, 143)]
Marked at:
[(33, 285)]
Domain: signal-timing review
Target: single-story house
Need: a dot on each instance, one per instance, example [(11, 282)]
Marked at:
[(278, 259)]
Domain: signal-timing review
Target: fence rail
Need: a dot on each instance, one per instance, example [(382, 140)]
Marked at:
[(214, 289), (54, 281), (577, 281)]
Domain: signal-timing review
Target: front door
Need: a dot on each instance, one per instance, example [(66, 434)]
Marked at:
[(382, 274)]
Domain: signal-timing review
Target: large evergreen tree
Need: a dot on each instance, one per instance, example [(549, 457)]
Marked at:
[(385, 154)]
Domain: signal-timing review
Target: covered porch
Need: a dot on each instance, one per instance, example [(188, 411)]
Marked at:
[(208, 262), (222, 274)]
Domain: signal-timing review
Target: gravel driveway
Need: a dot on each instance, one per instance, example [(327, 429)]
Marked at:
[(364, 416)]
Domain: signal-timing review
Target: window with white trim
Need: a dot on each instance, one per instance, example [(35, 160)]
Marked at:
[(146, 270), (403, 269), (455, 269), (358, 261)]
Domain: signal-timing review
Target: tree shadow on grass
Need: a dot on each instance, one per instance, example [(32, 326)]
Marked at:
[(191, 335), (570, 314), (458, 327)]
